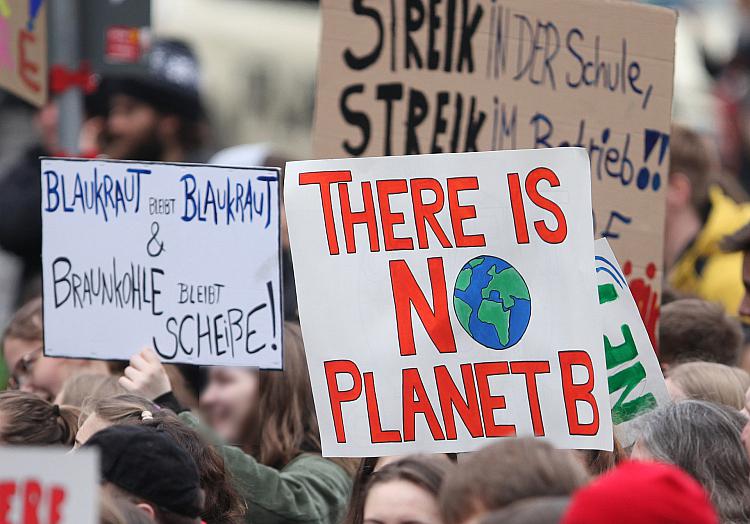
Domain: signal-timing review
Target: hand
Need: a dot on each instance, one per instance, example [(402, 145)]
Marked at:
[(145, 376)]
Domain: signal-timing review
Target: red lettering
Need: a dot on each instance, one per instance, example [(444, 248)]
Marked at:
[(27, 68), (412, 387), (324, 179), (7, 490), (450, 398), (424, 214), (530, 370), (377, 433), (573, 393), (516, 206), (490, 402), (351, 218), (57, 498), (436, 320), (332, 369), (32, 496), (386, 188), (551, 236), (460, 213)]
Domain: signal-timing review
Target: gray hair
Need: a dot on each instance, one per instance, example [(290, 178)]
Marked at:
[(704, 439)]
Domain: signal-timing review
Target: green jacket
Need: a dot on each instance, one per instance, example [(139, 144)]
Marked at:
[(308, 489)]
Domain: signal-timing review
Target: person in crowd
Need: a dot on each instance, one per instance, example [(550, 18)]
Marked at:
[(405, 492), (146, 467), (80, 387), (223, 504), (698, 216), (120, 511), (647, 493), (542, 510), (708, 381), (157, 115), (704, 440), (691, 329), (27, 420), (23, 350), (505, 472), (597, 461), (270, 418)]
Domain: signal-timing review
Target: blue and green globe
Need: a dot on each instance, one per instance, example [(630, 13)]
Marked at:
[(492, 302)]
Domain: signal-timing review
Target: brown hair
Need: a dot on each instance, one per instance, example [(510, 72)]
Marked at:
[(28, 419), (505, 472), (598, 461), (688, 154), (161, 515), (711, 381), (737, 241), (542, 510), (223, 504), (26, 324), (82, 386), (693, 329)]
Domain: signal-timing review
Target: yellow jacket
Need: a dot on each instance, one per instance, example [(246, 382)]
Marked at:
[(704, 270)]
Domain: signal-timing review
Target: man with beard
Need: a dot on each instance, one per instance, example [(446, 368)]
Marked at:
[(158, 115)]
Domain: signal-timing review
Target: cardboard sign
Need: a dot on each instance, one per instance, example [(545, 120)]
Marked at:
[(23, 49), (183, 258), (482, 75), (49, 486), (449, 299), (636, 382)]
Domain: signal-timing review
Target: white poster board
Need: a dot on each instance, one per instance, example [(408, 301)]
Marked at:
[(636, 382), (449, 299), (183, 258), (49, 486)]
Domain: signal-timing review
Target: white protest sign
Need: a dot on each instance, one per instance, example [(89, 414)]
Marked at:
[(449, 299), (183, 258), (636, 382), (49, 486)]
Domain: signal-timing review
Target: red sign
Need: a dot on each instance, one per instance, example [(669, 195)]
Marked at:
[(122, 45)]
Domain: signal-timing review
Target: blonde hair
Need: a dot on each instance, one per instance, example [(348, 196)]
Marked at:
[(712, 382), (78, 388)]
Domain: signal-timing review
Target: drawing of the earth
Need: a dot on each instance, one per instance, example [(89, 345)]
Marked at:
[(492, 302)]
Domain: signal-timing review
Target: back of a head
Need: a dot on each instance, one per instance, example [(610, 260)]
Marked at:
[(704, 440), (505, 472), (710, 381), (689, 156), (647, 493), (692, 329), (78, 388), (542, 510), (26, 419)]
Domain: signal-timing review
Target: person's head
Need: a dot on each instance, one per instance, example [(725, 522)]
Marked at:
[(157, 115), (120, 511), (82, 386), (23, 350), (146, 467), (405, 492), (703, 439), (709, 381), (692, 329), (26, 419), (597, 461), (689, 171), (222, 502), (739, 241), (505, 472), (647, 493), (542, 510), (269, 413)]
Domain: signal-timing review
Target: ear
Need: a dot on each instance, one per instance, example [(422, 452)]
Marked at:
[(679, 190), (147, 509)]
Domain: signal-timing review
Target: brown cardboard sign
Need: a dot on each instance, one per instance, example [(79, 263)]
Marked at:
[(399, 77), (23, 49)]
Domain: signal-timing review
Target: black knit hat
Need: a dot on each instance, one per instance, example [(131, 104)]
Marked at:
[(171, 83), (147, 463)]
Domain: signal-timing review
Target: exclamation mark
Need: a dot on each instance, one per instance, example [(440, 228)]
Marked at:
[(272, 303), (650, 138)]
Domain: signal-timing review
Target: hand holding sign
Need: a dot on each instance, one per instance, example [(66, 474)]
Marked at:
[(145, 376)]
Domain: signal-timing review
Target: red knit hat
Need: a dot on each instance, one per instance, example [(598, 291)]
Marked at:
[(642, 492)]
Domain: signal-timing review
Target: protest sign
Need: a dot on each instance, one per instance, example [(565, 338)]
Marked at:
[(480, 75), (23, 49), (636, 382), (183, 258), (49, 486), (449, 299)]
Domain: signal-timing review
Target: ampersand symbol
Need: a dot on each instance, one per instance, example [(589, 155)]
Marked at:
[(154, 248)]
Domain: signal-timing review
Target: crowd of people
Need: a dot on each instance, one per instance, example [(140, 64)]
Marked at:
[(180, 444)]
